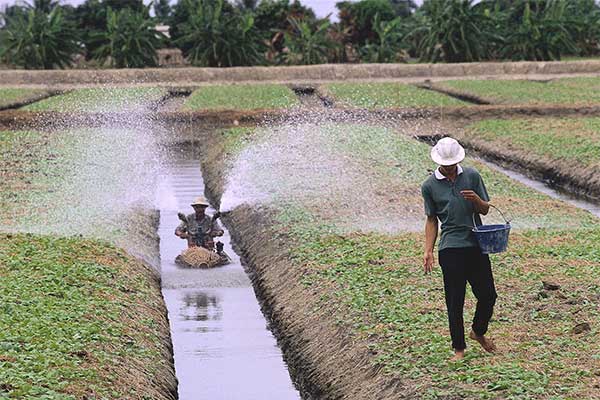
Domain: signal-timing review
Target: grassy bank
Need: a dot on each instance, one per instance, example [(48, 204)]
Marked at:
[(568, 148), (386, 95), (57, 182), (10, 97), (346, 273), (80, 319), (241, 97), (574, 141), (567, 91), (100, 100)]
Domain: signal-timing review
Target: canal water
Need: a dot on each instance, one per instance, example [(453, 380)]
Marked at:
[(542, 187), (223, 348)]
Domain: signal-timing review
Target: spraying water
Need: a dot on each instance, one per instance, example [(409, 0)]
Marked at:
[(331, 167)]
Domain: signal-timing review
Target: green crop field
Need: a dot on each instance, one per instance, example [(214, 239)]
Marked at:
[(79, 320), (567, 91), (100, 100), (14, 96), (241, 97), (374, 280), (386, 95), (388, 301), (382, 174), (559, 140)]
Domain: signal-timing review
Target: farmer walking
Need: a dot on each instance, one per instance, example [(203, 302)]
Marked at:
[(453, 195)]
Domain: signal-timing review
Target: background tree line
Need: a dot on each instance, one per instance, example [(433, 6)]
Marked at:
[(218, 33)]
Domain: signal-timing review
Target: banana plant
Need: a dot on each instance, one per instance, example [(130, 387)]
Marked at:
[(388, 44), (452, 31), (307, 43), (541, 34), (212, 37), (36, 39), (130, 40)]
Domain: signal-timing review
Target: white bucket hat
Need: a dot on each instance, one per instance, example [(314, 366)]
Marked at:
[(200, 201), (447, 151)]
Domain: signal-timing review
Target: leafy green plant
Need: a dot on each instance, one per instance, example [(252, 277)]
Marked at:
[(584, 26), (36, 39), (452, 31), (358, 19), (130, 40), (307, 43), (212, 37), (241, 97), (388, 43), (539, 34)]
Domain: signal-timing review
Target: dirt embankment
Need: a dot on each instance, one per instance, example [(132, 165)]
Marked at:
[(17, 119), (312, 73), (325, 360)]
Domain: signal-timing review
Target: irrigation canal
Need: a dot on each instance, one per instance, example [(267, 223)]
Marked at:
[(542, 187), (222, 346)]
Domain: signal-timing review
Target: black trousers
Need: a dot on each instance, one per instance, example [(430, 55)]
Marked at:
[(459, 266)]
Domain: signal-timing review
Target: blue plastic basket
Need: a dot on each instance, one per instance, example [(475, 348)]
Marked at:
[(492, 238)]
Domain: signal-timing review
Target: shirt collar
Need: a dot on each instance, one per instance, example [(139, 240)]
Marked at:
[(440, 176)]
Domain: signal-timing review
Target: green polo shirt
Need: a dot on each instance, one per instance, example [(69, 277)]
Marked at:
[(443, 199)]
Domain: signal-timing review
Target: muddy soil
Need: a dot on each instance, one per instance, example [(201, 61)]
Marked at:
[(17, 119)]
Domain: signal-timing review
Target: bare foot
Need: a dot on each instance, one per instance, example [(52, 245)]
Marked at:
[(487, 344), (458, 355)]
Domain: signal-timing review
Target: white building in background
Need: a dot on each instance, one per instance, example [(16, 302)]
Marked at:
[(164, 29)]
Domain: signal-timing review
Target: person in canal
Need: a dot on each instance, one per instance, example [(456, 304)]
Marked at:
[(198, 228), (454, 195)]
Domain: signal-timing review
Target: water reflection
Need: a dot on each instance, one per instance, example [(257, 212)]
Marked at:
[(200, 306)]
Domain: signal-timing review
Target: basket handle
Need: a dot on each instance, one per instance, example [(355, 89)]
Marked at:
[(507, 221)]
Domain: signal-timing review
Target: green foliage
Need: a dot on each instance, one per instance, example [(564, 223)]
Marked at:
[(540, 34), (307, 43), (214, 37), (162, 11), (583, 19), (65, 326), (387, 44), (358, 19), (130, 40), (452, 31), (35, 39), (561, 91), (564, 140), (99, 100), (241, 97), (386, 95), (272, 16), (92, 15), (10, 96), (380, 293)]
